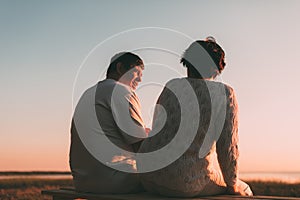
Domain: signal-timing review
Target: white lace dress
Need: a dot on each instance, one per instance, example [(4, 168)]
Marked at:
[(210, 162)]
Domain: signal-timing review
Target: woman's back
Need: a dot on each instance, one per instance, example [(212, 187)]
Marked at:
[(198, 165)]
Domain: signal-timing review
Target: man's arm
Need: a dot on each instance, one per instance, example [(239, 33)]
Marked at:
[(127, 114)]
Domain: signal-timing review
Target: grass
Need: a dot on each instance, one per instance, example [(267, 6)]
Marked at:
[(11, 189), (271, 188), (33, 182)]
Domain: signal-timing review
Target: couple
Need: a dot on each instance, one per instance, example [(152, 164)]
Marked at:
[(208, 166)]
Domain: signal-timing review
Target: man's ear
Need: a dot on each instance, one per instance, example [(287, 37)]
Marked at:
[(119, 68)]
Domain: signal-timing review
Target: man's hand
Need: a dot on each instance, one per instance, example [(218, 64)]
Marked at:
[(147, 131)]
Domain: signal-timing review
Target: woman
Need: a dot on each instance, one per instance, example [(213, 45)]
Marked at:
[(208, 166)]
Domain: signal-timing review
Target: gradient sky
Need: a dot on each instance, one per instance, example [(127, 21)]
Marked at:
[(44, 43)]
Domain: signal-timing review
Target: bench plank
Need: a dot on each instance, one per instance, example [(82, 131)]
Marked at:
[(68, 194)]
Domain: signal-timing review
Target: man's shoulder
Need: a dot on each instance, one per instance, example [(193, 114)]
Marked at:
[(109, 88), (107, 83)]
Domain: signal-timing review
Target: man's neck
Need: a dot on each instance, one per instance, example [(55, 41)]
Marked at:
[(113, 76)]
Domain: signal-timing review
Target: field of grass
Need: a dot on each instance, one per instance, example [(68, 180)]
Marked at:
[(270, 188), (11, 189)]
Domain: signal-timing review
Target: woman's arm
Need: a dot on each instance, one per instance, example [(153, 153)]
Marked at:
[(227, 145)]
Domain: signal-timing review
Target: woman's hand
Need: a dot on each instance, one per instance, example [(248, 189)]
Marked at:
[(240, 189)]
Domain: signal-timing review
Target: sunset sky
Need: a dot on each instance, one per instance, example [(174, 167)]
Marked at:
[(50, 51)]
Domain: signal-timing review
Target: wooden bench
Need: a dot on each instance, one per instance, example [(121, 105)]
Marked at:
[(70, 193)]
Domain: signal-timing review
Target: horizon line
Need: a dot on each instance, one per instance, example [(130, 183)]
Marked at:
[(45, 172)]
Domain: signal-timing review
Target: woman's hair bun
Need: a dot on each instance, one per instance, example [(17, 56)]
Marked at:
[(210, 39)]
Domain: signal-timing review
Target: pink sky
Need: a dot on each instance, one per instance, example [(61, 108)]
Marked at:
[(43, 45)]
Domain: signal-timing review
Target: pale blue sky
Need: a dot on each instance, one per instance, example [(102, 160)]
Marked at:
[(43, 43)]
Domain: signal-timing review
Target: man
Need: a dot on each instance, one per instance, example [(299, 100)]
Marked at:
[(106, 127)]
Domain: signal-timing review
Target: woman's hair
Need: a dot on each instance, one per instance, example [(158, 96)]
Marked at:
[(196, 60), (127, 59)]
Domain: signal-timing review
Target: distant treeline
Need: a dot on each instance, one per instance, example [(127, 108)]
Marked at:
[(35, 173)]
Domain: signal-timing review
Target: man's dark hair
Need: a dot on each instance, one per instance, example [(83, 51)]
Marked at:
[(128, 60)]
